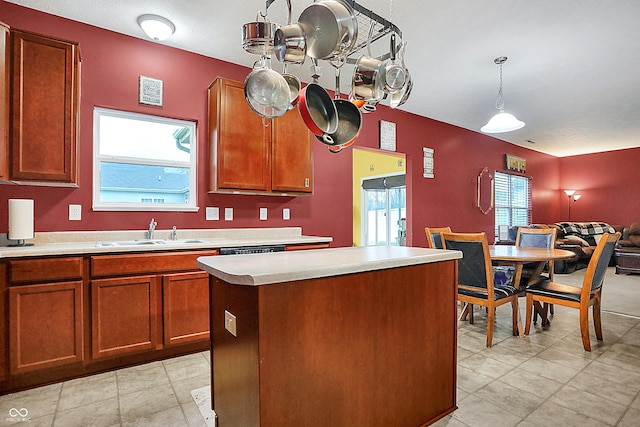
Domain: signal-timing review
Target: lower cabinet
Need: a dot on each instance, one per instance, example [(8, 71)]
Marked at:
[(124, 315), (45, 326), (185, 307)]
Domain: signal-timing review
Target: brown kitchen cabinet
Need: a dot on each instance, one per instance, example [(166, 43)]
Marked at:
[(45, 93), (45, 314), (147, 301), (124, 315), (5, 61), (254, 155), (185, 307)]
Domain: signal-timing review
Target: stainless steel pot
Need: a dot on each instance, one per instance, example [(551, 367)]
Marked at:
[(266, 91), (330, 28), (257, 37), (368, 79), (398, 98), (368, 76), (289, 42), (294, 86), (395, 74)]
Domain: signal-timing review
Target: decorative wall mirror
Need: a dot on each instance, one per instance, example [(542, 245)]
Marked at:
[(485, 191)]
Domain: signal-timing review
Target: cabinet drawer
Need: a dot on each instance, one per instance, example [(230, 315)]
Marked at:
[(147, 263), (44, 269)]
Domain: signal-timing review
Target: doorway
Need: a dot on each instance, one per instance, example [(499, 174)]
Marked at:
[(374, 166), (384, 211)]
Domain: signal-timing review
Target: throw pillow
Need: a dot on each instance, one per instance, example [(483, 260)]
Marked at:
[(575, 240)]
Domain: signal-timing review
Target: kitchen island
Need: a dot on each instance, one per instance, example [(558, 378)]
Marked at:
[(362, 336)]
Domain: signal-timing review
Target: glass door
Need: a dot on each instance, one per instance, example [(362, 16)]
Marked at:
[(384, 210)]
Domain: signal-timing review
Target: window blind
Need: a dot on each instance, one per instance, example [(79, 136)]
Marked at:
[(512, 200)]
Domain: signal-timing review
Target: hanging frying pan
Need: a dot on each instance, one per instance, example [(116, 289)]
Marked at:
[(349, 118), (318, 112)]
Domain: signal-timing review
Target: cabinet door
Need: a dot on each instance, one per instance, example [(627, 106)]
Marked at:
[(5, 60), (45, 92), (185, 307), (292, 148), (124, 315), (238, 141), (45, 326)]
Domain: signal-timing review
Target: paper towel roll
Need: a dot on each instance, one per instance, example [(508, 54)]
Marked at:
[(20, 219)]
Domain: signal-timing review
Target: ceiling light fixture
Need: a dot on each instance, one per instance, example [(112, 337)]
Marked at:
[(501, 122), (156, 27)]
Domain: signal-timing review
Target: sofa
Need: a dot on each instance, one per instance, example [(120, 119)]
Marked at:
[(627, 253), (581, 238)]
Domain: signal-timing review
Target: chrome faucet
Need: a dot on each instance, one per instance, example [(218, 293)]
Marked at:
[(152, 228)]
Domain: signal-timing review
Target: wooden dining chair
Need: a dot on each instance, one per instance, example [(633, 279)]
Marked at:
[(475, 278), (582, 298), (434, 237), (536, 238)]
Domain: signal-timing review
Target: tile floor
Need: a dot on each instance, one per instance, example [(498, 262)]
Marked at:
[(545, 379)]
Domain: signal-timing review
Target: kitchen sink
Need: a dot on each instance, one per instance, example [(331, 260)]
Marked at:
[(143, 242)]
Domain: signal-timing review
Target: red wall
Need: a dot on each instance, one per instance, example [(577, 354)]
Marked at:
[(111, 65), (608, 183)]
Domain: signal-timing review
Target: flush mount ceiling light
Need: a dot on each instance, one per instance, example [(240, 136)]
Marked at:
[(156, 27), (501, 122)]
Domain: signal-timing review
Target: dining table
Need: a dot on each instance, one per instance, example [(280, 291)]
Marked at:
[(518, 256)]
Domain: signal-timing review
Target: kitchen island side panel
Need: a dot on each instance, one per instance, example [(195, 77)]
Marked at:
[(375, 348), (234, 360)]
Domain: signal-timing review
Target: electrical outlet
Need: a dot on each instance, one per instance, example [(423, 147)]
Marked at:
[(212, 214), (230, 323), (75, 212), (286, 214), (263, 214), (228, 214)]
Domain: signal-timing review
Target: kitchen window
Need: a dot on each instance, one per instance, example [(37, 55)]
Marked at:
[(512, 200), (143, 162)]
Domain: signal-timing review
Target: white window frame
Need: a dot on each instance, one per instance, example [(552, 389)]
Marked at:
[(509, 205), (191, 206)]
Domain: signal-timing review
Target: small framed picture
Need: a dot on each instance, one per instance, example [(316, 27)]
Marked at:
[(150, 91)]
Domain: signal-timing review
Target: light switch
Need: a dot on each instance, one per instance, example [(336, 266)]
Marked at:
[(212, 214), (286, 214), (230, 323), (228, 214), (263, 214)]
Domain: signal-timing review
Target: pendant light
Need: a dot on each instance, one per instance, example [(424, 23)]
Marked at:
[(156, 27), (501, 122)]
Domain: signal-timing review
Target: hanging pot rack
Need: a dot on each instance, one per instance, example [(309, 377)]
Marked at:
[(366, 19)]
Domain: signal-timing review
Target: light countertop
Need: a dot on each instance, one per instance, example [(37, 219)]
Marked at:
[(84, 242), (278, 267)]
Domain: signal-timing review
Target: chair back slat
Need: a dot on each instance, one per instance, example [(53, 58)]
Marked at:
[(594, 277), (437, 240), (535, 240), (434, 236), (472, 267), (536, 237)]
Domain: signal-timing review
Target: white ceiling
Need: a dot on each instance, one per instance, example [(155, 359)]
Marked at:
[(573, 73)]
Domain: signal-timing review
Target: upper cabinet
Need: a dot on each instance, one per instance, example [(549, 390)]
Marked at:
[(5, 60), (45, 94), (249, 154)]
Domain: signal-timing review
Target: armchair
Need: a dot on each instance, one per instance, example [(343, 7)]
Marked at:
[(627, 253)]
